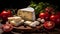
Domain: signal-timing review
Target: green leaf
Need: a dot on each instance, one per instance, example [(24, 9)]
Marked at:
[(38, 7), (33, 4)]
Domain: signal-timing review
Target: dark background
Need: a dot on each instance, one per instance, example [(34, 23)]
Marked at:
[(24, 3)]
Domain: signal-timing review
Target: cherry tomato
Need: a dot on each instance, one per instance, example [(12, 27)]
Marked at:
[(5, 14), (55, 18), (49, 24), (58, 13), (7, 27), (44, 15), (49, 9)]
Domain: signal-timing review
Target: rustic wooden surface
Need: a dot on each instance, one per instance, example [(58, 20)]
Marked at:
[(15, 31), (56, 31)]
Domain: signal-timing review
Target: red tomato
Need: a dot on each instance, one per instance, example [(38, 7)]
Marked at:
[(7, 27), (49, 24), (58, 13), (44, 15), (9, 13), (55, 18), (47, 15), (5, 14), (49, 9)]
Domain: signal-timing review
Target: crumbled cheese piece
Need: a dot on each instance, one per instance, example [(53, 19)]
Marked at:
[(36, 22), (39, 19), (42, 20), (28, 22), (32, 25)]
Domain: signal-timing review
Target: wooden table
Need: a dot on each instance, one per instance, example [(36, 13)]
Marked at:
[(27, 28)]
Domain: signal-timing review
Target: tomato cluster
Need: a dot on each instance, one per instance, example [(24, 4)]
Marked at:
[(50, 17)]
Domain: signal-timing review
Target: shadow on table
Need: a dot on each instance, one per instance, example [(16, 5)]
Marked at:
[(7, 33)]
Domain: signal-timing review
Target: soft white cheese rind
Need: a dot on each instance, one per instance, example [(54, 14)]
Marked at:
[(28, 9)]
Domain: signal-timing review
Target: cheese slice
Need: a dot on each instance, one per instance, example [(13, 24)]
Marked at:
[(14, 18), (16, 21), (27, 13)]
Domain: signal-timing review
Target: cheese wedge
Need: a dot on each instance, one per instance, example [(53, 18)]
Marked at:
[(27, 13)]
